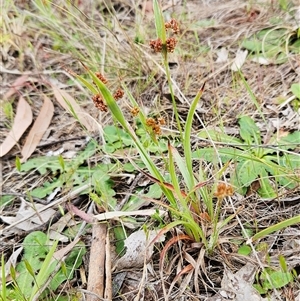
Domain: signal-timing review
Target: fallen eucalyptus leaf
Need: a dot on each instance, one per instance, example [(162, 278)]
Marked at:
[(38, 129), (22, 121)]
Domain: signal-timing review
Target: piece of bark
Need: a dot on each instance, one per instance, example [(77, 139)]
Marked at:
[(96, 278)]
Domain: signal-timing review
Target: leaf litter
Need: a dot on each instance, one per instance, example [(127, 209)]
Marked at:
[(218, 27)]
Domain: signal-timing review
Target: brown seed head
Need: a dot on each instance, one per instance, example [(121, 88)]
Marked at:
[(118, 94), (171, 44), (156, 45), (150, 122), (156, 129), (99, 103), (161, 121), (223, 190), (155, 126), (101, 77), (173, 24), (135, 111)]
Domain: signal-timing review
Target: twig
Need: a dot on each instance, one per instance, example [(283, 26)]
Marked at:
[(96, 278)]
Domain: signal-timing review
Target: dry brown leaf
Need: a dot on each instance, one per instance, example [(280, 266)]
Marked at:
[(26, 210), (38, 129), (70, 105), (61, 253), (20, 81), (22, 121)]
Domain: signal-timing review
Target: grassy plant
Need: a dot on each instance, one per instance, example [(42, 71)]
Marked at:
[(194, 198), (193, 205)]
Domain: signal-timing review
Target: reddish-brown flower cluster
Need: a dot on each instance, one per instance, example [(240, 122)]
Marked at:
[(161, 121), (101, 77), (173, 24), (135, 111), (156, 45), (155, 124), (223, 190), (118, 94), (171, 44), (99, 102)]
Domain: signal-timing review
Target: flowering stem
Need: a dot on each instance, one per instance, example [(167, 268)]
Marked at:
[(166, 65)]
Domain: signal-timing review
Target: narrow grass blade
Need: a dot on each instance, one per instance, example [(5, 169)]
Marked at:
[(3, 279), (279, 226), (45, 270), (188, 178), (187, 137), (159, 22)]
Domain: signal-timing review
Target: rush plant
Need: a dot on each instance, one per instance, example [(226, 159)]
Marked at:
[(191, 201)]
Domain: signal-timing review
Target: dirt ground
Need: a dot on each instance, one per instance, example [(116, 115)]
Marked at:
[(42, 51)]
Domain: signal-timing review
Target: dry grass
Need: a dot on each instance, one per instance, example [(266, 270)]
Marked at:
[(46, 45)]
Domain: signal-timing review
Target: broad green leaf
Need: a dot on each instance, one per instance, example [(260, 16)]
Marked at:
[(154, 192), (295, 47), (113, 134), (72, 262), (266, 190), (295, 88), (278, 279), (42, 165), (35, 251), (290, 161), (46, 189), (47, 266), (244, 250), (249, 131), (249, 171)]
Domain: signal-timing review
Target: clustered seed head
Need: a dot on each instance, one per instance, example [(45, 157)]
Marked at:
[(135, 111), (161, 121), (118, 94), (101, 77), (171, 44), (155, 125), (156, 45), (99, 103), (223, 190), (150, 121), (173, 24)]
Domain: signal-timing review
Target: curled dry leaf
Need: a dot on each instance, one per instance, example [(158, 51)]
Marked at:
[(71, 106), (138, 249), (26, 210), (20, 81), (38, 129), (238, 286), (22, 121)]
